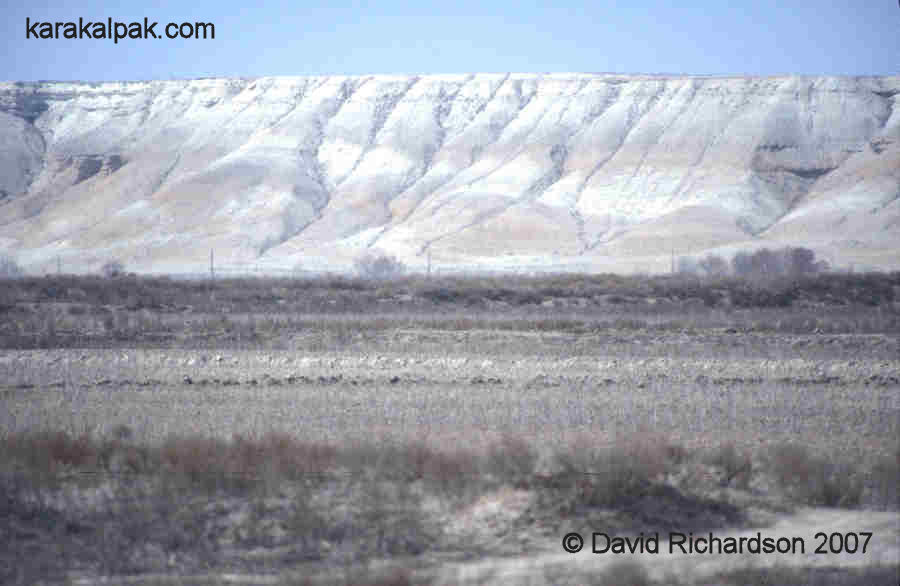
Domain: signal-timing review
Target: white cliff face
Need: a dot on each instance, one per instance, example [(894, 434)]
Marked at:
[(564, 171)]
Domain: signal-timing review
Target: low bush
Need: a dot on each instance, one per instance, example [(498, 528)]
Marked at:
[(736, 465), (378, 265), (9, 268), (332, 294), (613, 475), (51, 453), (511, 460), (813, 479), (113, 268)]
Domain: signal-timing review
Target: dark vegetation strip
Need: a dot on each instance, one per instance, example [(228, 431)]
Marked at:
[(90, 311), (340, 294), (47, 327), (608, 475)]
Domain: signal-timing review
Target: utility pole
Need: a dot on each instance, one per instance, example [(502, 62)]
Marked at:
[(672, 269), (429, 264), (58, 265)]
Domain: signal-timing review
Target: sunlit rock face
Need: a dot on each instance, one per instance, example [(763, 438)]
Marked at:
[(475, 172)]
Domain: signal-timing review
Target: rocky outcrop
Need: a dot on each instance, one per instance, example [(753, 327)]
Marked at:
[(553, 172)]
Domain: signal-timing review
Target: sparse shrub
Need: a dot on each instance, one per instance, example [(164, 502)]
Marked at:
[(42, 459), (244, 463), (378, 265), (209, 464), (613, 475), (687, 265), (741, 264), (736, 465), (799, 261), (441, 295), (113, 268), (522, 297), (444, 471), (54, 292), (51, 451), (813, 479), (713, 265), (122, 432), (9, 268), (766, 264), (391, 512), (511, 459)]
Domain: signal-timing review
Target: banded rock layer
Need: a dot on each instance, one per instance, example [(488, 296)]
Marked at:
[(554, 172)]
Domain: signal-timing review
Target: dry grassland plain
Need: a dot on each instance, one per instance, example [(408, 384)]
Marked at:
[(448, 431)]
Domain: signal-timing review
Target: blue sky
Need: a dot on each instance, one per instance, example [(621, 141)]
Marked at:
[(258, 38)]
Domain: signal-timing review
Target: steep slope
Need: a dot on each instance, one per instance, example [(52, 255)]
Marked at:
[(560, 171)]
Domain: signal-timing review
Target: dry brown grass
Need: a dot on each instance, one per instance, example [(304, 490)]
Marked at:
[(613, 475), (511, 460), (44, 460), (244, 462), (813, 479), (603, 474), (206, 463), (736, 464), (608, 475)]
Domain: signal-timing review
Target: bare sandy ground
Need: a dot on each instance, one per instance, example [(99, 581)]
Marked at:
[(559, 567), (467, 387), (883, 548)]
